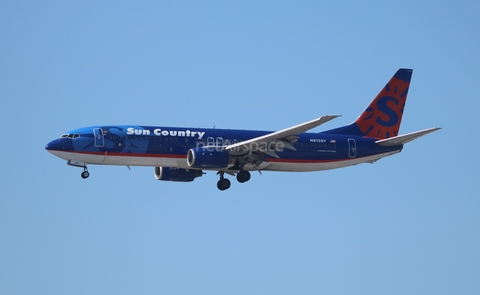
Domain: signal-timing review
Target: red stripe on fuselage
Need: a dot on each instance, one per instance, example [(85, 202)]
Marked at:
[(275, 160), (177, 156), (181, 156)]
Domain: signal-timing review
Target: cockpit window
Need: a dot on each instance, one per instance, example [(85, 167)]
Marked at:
[(76, 135)]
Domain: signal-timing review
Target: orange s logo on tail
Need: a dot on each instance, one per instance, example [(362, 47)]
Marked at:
[(383, 116)]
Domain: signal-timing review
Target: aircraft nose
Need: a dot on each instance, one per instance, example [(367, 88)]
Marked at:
[(54, 145)]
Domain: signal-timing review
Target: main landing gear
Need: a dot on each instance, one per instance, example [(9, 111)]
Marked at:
[(224, 183), (243, 176)]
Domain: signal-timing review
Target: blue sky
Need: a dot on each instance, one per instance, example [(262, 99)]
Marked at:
[(406, 225)]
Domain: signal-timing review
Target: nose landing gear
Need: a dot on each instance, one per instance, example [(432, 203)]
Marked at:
[(85, 174)]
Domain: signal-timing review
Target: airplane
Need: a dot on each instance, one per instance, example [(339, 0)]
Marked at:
[(183, 154)]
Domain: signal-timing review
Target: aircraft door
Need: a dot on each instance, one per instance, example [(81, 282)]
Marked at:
[(352, 148), (98, 135)]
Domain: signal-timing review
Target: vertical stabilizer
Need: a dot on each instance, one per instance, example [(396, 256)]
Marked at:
[(383, 116)]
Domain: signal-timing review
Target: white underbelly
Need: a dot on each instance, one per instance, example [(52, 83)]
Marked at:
[(291, 166)]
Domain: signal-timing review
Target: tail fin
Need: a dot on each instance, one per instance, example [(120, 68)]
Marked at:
[(383, 116)]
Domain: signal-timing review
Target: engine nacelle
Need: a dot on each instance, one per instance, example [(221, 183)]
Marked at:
[(176, 174), (207, 157)]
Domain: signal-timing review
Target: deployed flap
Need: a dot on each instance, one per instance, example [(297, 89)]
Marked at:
[(282, 134), (402, 139)]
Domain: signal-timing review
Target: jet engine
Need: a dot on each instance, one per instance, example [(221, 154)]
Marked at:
[(176, 174), (208, 157)]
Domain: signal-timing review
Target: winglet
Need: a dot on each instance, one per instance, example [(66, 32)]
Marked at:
[(402, 139)]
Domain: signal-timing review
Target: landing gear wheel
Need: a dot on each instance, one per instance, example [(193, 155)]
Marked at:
[(223, 184), (243, 176), (85, 174)]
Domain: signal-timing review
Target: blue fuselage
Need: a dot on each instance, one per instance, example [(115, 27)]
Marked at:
[(168, 146)]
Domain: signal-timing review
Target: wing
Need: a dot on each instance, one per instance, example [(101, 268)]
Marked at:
[(287, 137)]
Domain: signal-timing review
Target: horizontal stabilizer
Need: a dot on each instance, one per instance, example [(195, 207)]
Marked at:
[(403, 139)]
